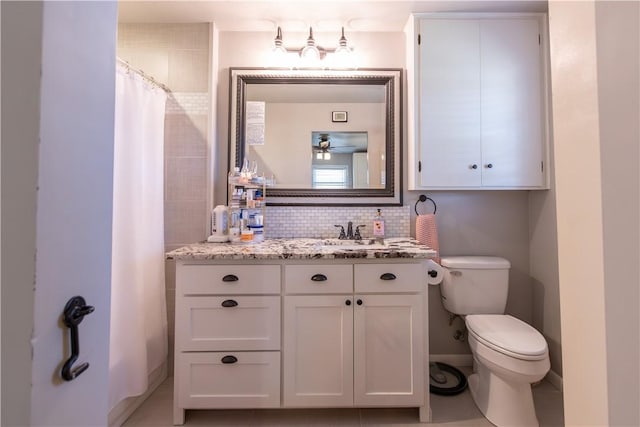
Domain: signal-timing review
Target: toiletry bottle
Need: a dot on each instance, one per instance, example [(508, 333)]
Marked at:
[(378, 226)]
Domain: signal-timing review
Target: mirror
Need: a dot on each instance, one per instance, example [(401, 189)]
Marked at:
[(324, 137)]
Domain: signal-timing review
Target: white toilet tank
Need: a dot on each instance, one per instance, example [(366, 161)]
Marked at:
[(475, 284)]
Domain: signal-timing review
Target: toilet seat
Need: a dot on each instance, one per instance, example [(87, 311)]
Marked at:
[(508, 335)]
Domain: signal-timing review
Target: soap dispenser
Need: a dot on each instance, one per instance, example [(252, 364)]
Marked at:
[(378, 226)]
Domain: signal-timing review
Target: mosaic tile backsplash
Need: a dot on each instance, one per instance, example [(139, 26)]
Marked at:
[(318, 222)]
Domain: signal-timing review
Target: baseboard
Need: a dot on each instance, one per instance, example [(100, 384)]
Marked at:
[(123, 410), (452, 359), (555, 380)]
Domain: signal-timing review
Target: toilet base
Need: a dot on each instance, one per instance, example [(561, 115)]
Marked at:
[(504, 404)]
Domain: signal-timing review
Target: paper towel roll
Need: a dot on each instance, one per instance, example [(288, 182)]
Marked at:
[(434, 266)]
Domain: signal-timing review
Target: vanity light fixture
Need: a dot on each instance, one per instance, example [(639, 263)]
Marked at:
[(312, 55)]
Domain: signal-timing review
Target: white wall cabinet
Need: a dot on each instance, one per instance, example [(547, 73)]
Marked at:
[(353, 334), (477, 102)]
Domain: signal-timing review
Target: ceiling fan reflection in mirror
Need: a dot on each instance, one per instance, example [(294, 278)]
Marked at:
[(325, 143)]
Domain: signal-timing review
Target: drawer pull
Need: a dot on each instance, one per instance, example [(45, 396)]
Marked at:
[(348, 302), (230, 278), (388, 276), (359, 301), (229, 359), (319, 278), (229, 303)]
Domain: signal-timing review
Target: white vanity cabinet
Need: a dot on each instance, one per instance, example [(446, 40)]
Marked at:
[(477, 101), (358, 342), (327, 332)]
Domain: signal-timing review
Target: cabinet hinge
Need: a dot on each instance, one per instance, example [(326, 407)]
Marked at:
[(541, 166), (419, 166), (419, 39)]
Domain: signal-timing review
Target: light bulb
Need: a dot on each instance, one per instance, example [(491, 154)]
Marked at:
[(310, 55), (279, 55), (319, 155), (343, 56)]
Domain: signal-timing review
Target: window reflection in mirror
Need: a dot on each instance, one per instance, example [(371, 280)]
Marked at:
[(347, 160)]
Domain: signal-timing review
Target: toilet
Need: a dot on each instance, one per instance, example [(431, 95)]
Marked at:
[(508, 354)]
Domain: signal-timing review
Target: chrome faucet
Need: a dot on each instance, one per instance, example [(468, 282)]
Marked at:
[(350, 230)]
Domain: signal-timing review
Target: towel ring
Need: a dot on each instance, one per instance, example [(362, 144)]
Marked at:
[(424, 198)]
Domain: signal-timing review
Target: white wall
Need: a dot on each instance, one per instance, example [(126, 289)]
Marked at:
[(594, 63)]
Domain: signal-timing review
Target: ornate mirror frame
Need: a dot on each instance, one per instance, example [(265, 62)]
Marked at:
[(389, 79)]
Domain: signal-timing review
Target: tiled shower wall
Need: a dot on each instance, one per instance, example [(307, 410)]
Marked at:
[(177, 55)]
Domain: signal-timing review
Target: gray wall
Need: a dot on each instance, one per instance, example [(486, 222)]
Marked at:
[(479, 223), (618, 50)]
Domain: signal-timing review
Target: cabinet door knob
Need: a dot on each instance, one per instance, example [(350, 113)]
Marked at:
[(488, 165), (229, 359), (473, 166), (230, 278), (388, 276), (229, 303), (319, 278), (359, 302), (348, 302)]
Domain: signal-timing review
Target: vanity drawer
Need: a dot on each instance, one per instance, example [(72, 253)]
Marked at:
[(246, 380), (318, 279), (399, 278), (203, 279), (228, 323)]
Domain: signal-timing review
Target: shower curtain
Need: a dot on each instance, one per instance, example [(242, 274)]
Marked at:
[(138, 337)]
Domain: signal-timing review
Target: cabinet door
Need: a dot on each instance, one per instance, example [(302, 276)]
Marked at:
[(388, 350), (318, 351), (449, 103), (510, 70)]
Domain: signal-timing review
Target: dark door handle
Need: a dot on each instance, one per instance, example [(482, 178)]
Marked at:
[(348, 302), (229, 303), (388, 276), (229, 359), (74, 312), (319, 278), (359, 302), (230, 278)]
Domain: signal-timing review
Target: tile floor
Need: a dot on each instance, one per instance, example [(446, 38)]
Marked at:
[(448, 411)]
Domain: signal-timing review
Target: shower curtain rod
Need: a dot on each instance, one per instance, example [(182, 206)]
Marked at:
[(142, 74)]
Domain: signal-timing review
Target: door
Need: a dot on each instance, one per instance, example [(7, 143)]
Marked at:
[(73, 204), (449, 103), (388, 343), (318, 351), (512, 140)]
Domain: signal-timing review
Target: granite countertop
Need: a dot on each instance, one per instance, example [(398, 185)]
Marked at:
[(278, 249)]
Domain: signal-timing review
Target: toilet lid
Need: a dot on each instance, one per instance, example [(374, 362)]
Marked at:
[(507, 335)]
